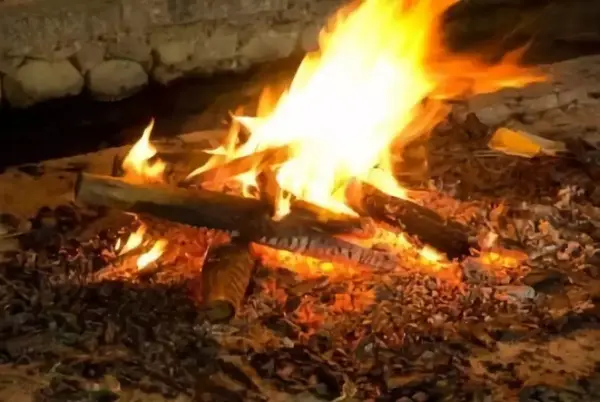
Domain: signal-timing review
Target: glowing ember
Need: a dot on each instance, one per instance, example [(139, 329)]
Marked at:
[(152, 255), (431, 255), (362, 94), (503, 258), (303, 265), (137, 165), (136, 240)]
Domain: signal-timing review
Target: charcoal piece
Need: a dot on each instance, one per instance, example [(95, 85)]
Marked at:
[(546, 281), (225, 279), (474, 127), (117, 166)]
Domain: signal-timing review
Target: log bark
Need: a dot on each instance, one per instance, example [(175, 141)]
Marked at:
[(251, 218), (330, 248), (225, 278), (449, 237)]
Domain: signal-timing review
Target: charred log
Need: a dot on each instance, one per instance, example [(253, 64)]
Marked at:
[(300, 231), (251, 218), (331, 248), (225, 278), (423, 223)]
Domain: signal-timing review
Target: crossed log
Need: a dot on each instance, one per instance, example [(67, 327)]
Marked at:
[(306, 231)]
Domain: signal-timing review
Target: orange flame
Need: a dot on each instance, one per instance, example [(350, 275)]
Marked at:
[(133, 241), (503, 258), (136, 240), (151, 255), (137, 165), (363, 93)]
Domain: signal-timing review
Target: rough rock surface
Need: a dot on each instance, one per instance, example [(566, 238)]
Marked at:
[(171, 39), (270, 45), (116, 79), (89, 56), (134, 48), (39, 80)]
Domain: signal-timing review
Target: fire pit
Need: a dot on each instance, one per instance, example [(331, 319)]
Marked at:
[(300, 257)]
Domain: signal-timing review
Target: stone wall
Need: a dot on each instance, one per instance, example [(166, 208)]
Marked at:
[(112, 48)]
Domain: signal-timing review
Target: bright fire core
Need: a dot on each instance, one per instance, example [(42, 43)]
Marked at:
[(376, 83)]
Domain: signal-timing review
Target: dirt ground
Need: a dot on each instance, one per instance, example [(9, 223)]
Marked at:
[(568, 106)]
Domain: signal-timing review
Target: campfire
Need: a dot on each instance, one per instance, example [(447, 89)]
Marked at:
[(297, 220), (310, 180)]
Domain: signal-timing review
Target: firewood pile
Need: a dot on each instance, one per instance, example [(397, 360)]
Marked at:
[(241, 307)]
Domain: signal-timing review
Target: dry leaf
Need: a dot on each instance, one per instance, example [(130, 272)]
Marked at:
[(521, 143)]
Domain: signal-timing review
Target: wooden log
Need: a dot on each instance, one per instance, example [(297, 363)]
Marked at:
[(299, 231), (449, 237), (225, 278), (250, 218)]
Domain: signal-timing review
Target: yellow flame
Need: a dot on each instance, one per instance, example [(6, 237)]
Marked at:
[(152, 255), (136, 164), (283, 206), (363, 94), (503, 258), (431, 255), (133, 241)]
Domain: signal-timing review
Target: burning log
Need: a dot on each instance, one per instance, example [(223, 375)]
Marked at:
[(322, 246), (225, 278), (429, 227), (251, 218), (299, 231)]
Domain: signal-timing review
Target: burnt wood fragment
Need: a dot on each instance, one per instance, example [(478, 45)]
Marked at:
[(225, 278), (449, 237), (332, 249)]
